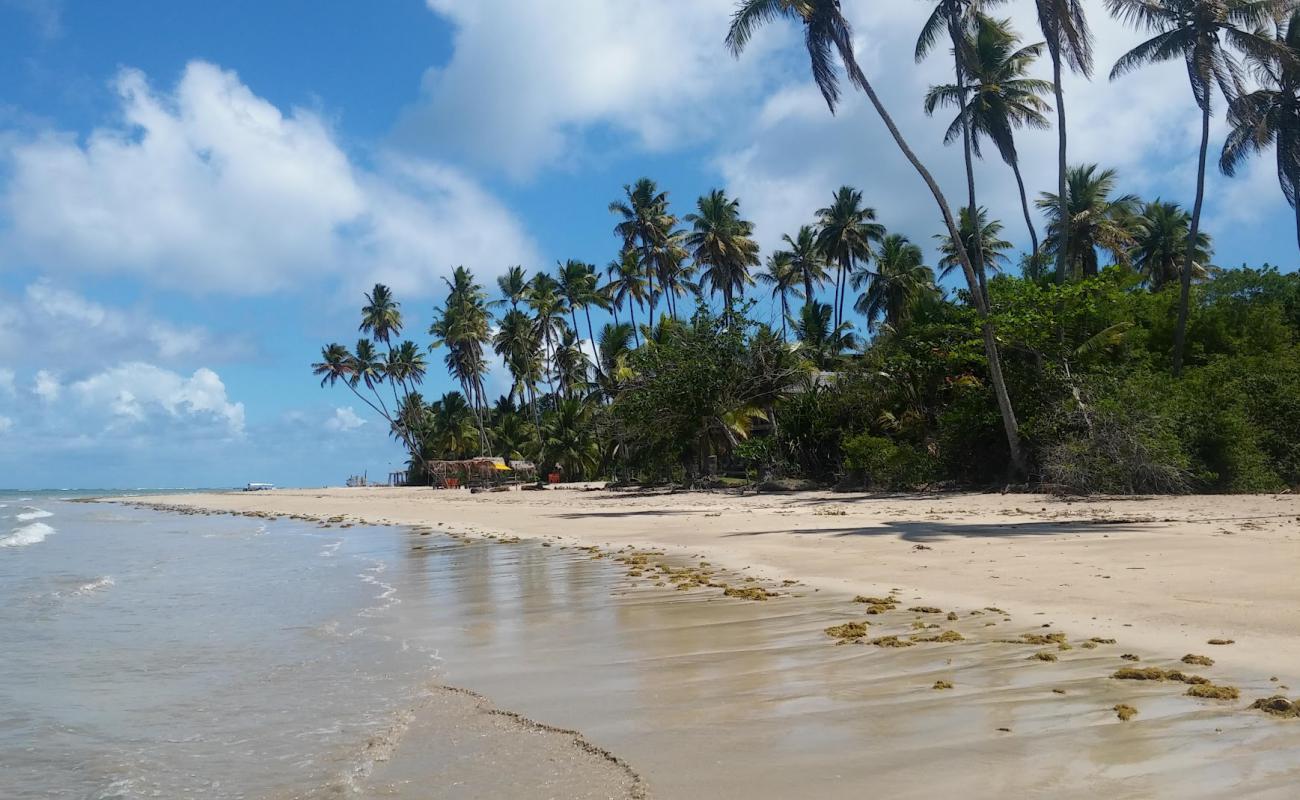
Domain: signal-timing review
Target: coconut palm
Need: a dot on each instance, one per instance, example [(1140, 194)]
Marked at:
[(1199, 32), (381, 316), (847, 231), (784, 278), (821, 341), (1270, 115), (514, 286), (452, 430), (627, 284), (614, 350), (462, 325), (1096, 220), (1069, 43), (898, 282), (999, 98), (568, 439), (548, 311), (829, 37), (647, 225), (956, 18), (1160, 244), (571, 363), (806, 257), (721, 242), (989, 240)]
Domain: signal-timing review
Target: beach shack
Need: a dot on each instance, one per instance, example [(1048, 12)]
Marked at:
[(472, 473)]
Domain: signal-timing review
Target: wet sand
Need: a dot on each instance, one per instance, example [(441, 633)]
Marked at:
[(705, 695)]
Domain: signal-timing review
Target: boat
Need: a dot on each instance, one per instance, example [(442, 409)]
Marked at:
[(259, 487)]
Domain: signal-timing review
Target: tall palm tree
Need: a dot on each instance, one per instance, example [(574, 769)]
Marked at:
[(571, 363), (647, 225), (828, 36), (517, 345), (1096, 220), (784, 278), (1069, 42), (721, 242), (806, 257), (1159, 249), (627, 284), (613, 350), (1270, 115), (979, 232), (847, 231), (462, 325), (1199, 32), (548, 307), (999, 98), (513, 286), (381, 316), (899, 281), (956, 18)]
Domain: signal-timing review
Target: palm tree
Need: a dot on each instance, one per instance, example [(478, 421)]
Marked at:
[(514, 285), (462, 325), (627, 284), (901, 278), (722, 243), (613, 350), (806, 257), (1065, 27), (989, 240), (784, 277), (956, 17), (847, 229), (1159, 250), (1198, 32), (647, 226), (1000, 98), (1270, 115), (571, 363), (821, 340), (381, 316), (568, 439), (548, 311), (453, 433), (1096, 221), (827, 34)]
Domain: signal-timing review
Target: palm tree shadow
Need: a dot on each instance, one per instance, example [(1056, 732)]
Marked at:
[(926, 531)]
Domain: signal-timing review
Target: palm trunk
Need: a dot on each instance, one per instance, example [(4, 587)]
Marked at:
[(592, 333), (1063, 214), (550, 359), (808, 284), (1185, 296), (785, 312), (1024, 205), (977, 254), (1009, 424), (631, 313)]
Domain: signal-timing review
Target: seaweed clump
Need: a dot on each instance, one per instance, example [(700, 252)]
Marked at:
[(891, 641), (1209, 691), (945, 637), (1157, 674), (849, 631), (1200, 661), (1045, 655), (1125, 712), (942, 685), (926, 610), (1221, 642), (1278, 706), (751, 593)]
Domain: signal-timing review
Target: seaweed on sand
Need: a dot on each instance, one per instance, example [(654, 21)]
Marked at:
[(942, 685), (1157, 674), (749, 593), (891, 641), (926, 610), (848, 631), (946, 637), (1045, 655), (1221, 642), (1209, 691), (1200, 661), (1125, 712), (1278, 706)]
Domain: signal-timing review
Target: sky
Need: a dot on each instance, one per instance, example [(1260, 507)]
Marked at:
[(193, 196)]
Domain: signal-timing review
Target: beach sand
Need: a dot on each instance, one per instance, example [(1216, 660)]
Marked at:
[(736, 698)]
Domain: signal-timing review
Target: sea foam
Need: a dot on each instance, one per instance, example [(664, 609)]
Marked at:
[(33, 513), (29, 534)]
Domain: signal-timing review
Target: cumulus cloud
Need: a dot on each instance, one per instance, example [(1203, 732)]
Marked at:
[(46, 386), (344, 420), (528, 80), (210, 187), (137, 392)]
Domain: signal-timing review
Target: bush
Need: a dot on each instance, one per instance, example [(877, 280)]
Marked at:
[(886, 464)]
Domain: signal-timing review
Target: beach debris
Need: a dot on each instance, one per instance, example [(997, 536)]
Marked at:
[(1058, 691), (946, 637), (1157, 674), (1088, 645), (995, 610), (1209, 691), (1038, 639), (1130, 657), (926, 610), (1221, 642), (748, 592), (1099, 640), (1200, 661), (829, 511), (952, 616), (848, 631), (1278, 706), (891, 641), (942, 685), (1125, 712), (1044, 655)]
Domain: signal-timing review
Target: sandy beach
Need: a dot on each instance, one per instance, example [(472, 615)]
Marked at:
[(1162, 577)]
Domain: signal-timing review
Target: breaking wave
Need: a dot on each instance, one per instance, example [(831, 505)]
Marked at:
[(29, 534), (32, 513)]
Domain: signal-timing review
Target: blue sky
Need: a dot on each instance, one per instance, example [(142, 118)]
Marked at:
[(193, 195)]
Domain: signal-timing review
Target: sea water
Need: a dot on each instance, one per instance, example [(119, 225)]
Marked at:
[(145, 654)]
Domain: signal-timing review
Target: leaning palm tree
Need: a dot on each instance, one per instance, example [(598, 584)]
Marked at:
[(1270, 115), (1199, 32), (979, 232), (1069, 42), (722, 242), (899, 281), (1094, 220), (956, 18), (847, 231), (806, 257), (1159, 249), (1000, 97), (828, 35), (784, 277)]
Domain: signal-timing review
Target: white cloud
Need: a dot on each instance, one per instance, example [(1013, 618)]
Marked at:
[(211, 187), (527, 79), (344, 420), (47, 386), (137, 392)]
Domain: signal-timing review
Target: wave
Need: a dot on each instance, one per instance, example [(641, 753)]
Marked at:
[(32, 513), (94, 586), (30, 534)]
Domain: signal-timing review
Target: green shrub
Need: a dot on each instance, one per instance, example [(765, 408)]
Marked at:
[(886, 464)]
